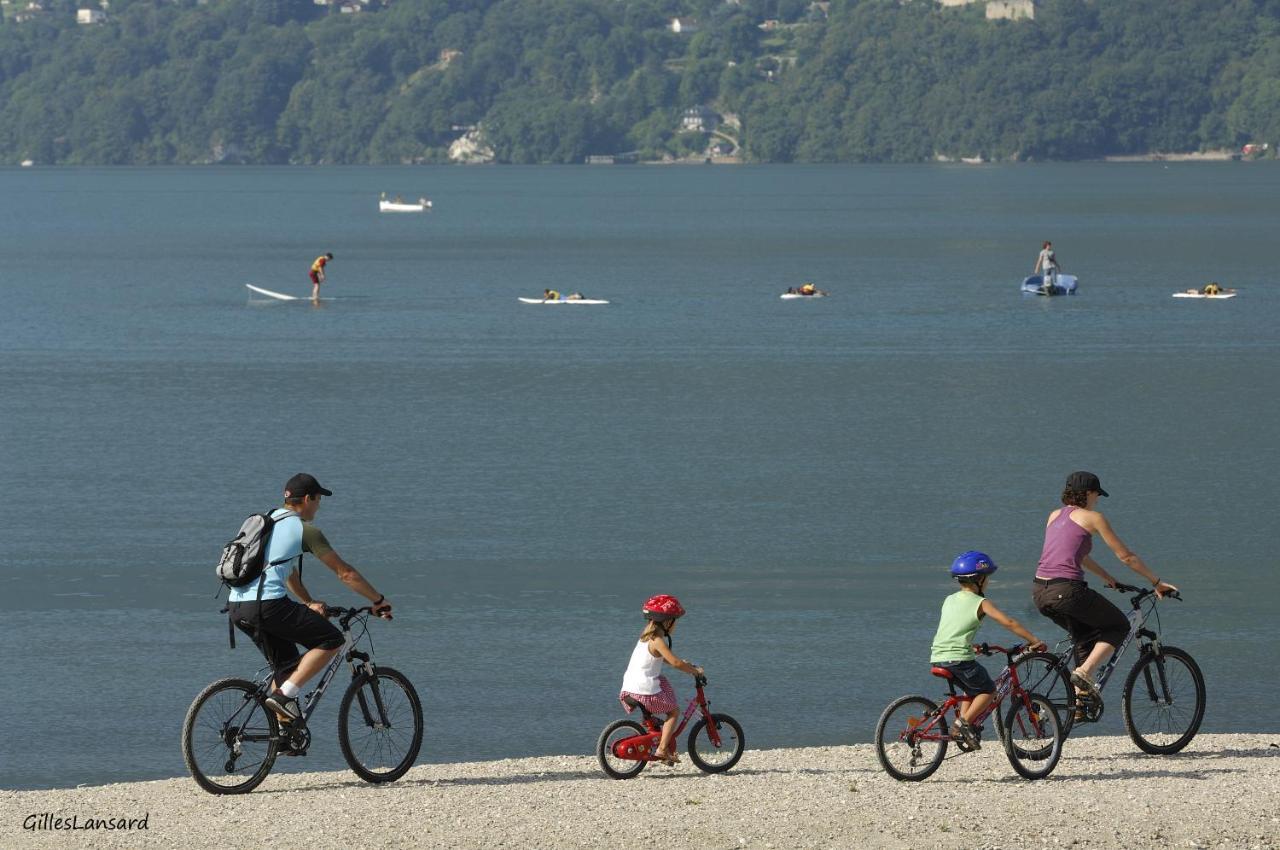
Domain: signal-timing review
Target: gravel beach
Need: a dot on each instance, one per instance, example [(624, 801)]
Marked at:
[(1223, 791)]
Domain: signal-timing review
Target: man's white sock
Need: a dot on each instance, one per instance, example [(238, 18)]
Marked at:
[(289, 689)]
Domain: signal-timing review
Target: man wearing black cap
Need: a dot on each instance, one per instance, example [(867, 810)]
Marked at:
[(264, 611)]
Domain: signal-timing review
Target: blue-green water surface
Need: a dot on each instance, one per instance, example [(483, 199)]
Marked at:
[(518, 479)]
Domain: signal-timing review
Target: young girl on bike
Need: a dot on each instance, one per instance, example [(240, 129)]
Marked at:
[(643, 682), (952, 649)]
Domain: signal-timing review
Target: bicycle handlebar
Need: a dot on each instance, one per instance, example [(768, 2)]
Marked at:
[(345, 615), (1143, 592), (992, 649)]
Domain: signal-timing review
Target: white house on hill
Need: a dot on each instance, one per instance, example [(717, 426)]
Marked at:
[(683, 25)]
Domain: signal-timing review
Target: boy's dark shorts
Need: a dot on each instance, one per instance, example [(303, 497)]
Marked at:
[(971, 676)]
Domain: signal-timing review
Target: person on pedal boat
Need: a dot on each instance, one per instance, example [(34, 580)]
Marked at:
[(1060, 591), (952, 648), (550, 295), (1047, 267), (276, 623)]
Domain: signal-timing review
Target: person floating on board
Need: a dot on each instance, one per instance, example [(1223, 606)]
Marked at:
[(808, 289), (550, 295), (574, 296), (1047, 265), (1212, 288), (317, 274)]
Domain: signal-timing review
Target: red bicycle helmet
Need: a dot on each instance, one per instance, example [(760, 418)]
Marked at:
[(662, 607)]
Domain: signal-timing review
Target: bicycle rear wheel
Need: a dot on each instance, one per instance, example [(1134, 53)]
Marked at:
[(611, 763), (911, 738), (711, 758), (229, 738), (1163, 701), (1048, 675), (380, 725), (1033, 735)]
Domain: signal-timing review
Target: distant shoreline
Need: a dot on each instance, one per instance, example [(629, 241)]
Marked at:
[(1224, 789)]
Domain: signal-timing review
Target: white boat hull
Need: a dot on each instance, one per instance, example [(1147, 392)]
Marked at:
[(1202, 295), (563, 301), (392, 206), (796, 296)]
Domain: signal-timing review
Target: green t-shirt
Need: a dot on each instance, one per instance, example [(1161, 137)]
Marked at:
[(956, 628), (314, 541)]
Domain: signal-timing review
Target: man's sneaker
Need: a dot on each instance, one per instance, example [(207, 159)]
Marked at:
[(285, 707)]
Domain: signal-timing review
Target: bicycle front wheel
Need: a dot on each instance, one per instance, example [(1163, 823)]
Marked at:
[(1033, 735), (1046, 674), (380, 725), (911, 738), (1163, 701), (709, 756), (229, 738)]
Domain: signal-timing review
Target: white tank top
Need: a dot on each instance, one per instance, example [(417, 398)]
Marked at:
[(642, 673)]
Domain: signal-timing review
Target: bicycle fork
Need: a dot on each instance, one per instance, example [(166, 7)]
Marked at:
[(375, 715)]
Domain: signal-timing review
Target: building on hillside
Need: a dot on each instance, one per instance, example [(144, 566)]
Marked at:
[(91, 16), (350, 7), (683, 26), (699, 119), (1011, 10), (769, 25)]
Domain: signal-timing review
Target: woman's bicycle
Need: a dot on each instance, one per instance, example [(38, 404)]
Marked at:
[(715, 742), (1164, 694), (230, 738), (913, 734)]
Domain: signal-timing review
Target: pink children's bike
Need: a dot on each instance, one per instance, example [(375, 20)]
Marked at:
[(715, 742)]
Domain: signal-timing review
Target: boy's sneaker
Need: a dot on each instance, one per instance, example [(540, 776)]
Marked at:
[(285, 707), (965, 736)]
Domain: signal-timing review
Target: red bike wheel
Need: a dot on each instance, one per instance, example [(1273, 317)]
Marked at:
[(613, 765), (709, 756)]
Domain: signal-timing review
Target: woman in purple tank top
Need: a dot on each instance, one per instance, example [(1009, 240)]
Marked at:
[(1060, 591)]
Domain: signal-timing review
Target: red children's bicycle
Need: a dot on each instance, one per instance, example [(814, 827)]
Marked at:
[(914, 731), (715, 742)]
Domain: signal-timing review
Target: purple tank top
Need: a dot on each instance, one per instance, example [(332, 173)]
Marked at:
[(1065, 547)]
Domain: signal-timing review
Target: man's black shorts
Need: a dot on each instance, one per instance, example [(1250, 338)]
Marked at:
[(283, 626)]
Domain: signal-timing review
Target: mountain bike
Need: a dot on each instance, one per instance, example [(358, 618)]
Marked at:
[(715, 742), (913, 733), (230, 738), (1164, 694)]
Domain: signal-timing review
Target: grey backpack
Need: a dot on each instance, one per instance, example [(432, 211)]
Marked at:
[(244, 558)]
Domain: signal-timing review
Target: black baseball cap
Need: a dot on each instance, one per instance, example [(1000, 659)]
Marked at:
[(304, 484), (1076, 481)]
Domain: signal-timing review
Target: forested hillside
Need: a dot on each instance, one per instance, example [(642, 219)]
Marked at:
[(277, 81)]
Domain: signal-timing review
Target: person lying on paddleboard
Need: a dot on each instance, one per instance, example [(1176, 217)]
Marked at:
[(574, 296), (317, 274), (550, 295), (1047, 265)]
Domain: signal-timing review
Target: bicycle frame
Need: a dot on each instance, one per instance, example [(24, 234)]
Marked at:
[(1138, 615), (360, 663), (645, 745), (1006, 683)]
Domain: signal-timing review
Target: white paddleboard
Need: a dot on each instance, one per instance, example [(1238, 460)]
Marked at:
[(563, 301), (791, 296), (1202, 295), (267, 292)]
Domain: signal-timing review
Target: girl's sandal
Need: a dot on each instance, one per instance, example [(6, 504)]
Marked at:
[(669, 759)]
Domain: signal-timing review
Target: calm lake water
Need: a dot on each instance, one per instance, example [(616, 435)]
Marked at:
[(518, 479)]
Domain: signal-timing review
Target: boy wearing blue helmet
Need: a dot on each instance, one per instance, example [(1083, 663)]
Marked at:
[(962, 613)]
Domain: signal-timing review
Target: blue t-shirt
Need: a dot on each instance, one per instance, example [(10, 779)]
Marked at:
[(285, 545)]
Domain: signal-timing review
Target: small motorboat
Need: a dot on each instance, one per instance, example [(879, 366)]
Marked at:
[(398, 204), (1035, 285)]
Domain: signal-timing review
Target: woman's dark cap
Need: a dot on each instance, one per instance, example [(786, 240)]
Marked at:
[(1085, 481)]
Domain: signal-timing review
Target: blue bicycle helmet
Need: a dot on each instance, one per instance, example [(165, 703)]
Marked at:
[(972, 563)]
